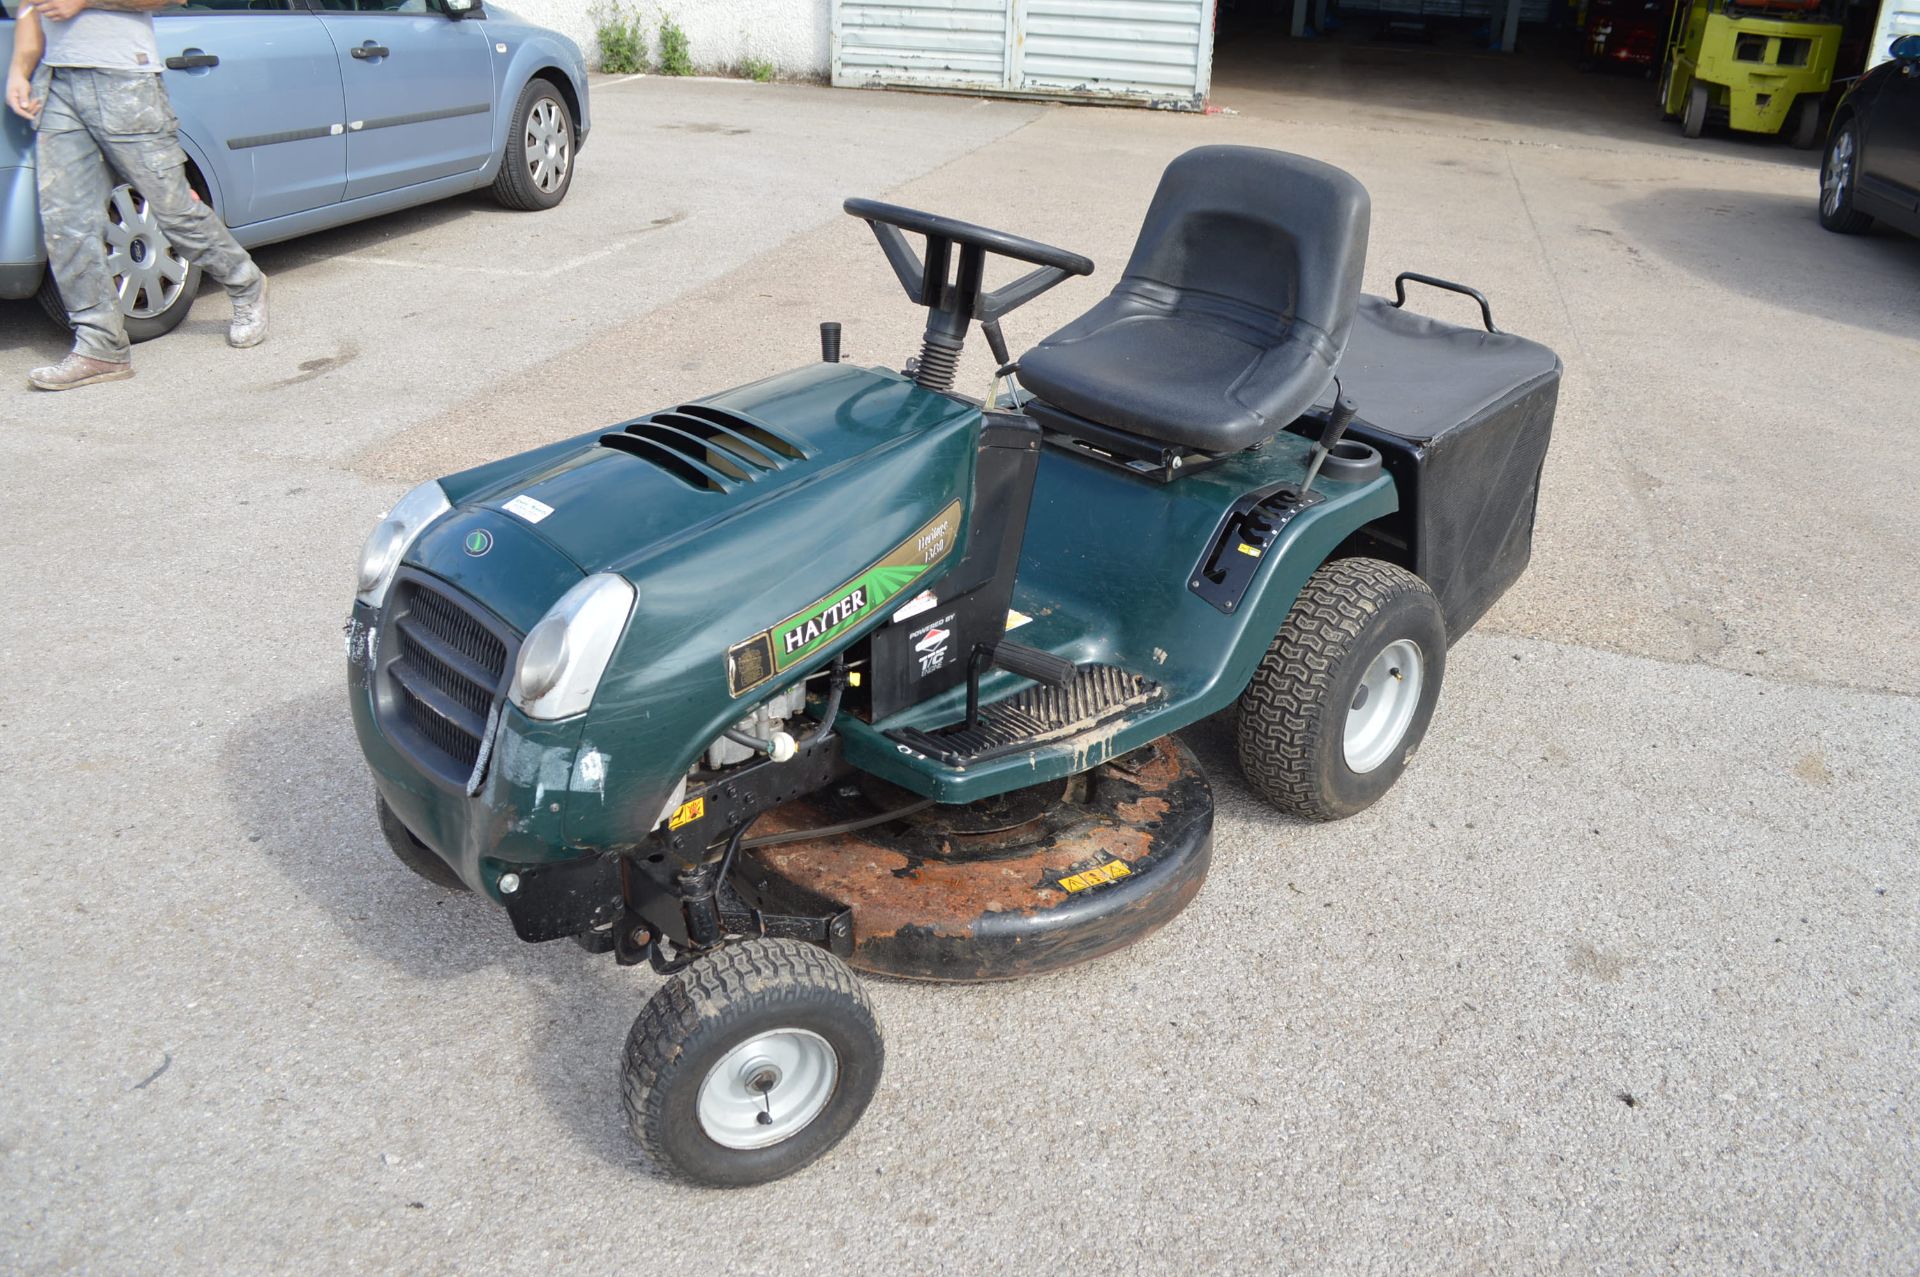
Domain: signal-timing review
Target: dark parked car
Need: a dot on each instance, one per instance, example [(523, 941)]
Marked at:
[(297, 115), (1872, 167)]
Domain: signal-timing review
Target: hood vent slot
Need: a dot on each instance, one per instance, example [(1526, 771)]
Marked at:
[(705, 448)]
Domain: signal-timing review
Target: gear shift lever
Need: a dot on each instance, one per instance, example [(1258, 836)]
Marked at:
[(1338, 418)]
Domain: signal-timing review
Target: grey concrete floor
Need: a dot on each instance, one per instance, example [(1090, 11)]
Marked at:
[(1620, 977)]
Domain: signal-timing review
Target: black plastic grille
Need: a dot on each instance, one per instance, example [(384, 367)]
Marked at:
[(447, 670), (706, 448)]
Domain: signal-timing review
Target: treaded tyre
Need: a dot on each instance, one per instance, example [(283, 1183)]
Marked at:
[(1694, 122), (537, 166), (1803, 125), (1344, 694), (751, 1063), (413, 853)]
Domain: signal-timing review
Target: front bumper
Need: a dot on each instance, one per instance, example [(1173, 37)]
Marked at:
[(512, 821)]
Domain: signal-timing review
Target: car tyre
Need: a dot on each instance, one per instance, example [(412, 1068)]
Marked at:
[(537, 167), (1344, 694), (1839, 167), (1694, 122), (156, 284), (766, 1022), (413, 853)]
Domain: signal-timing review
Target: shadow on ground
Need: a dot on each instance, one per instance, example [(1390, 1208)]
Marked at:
[(1773, 249)]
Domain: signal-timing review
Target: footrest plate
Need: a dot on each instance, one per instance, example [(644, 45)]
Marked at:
[(1034, 716)]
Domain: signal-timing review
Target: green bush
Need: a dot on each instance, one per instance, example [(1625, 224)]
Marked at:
[(622, 40), (759, 69), (675, 57)]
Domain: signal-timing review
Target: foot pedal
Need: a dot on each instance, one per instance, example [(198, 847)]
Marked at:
[(1035, 715), (1031, 662)]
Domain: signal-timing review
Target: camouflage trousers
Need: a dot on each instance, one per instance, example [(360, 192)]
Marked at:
[(94, 120)]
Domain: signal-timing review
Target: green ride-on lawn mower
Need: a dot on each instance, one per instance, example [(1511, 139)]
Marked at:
[(844, 670)]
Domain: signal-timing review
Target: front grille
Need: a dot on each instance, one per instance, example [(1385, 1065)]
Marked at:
[(447, 671)]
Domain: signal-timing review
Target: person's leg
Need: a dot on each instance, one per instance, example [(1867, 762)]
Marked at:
[(73, 205), (149, 157)]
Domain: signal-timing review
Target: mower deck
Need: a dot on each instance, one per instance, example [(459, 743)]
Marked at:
[(1011, 886)]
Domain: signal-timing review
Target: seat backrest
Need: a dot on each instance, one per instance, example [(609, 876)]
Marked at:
[(1267, 240)]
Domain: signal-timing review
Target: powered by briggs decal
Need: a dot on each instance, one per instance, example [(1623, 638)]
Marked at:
[(929, 644), (779, 648)]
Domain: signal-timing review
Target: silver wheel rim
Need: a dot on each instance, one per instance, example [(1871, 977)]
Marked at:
[(549, 144), (148, 273), (1833, 183), (1383, 704), (768, 1089)]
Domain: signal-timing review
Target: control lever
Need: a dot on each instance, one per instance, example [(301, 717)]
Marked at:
[(1339, 417)]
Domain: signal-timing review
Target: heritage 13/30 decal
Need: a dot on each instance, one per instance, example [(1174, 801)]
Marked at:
[(779, 648)]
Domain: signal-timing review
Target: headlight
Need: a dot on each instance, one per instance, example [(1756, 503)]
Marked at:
[(391, 537), (564, 656)]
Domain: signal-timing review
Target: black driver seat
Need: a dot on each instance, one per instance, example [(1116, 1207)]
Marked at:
[(1233, 310)]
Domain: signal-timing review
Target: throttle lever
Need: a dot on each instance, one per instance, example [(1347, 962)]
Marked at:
[(1339, 417)]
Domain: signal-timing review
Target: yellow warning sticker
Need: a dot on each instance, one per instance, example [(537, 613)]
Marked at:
[(1253, 550), (1112, 871), (688, 812)]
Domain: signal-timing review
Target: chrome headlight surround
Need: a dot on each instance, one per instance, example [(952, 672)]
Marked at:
[(563, 657)]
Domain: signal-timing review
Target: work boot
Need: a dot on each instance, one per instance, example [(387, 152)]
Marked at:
[(78, 370), (249, 327)]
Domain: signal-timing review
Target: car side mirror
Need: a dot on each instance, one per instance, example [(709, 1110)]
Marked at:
[(457, 9), (1906, 48)]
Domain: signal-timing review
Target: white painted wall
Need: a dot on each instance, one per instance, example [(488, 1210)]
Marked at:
[(792, 34)]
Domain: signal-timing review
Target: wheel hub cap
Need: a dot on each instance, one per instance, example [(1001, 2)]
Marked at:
[(147, 273), (767, 1089), (1833, 184), (1383, 705), (549, 146)]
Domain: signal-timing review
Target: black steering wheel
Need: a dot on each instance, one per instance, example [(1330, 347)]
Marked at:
[(953, 297)]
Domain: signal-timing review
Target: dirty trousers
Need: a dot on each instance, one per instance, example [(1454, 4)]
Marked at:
[(93, 119)]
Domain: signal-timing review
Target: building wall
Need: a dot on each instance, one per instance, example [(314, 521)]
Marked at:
[(791, 34)]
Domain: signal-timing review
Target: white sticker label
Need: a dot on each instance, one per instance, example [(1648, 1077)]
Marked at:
[(527, 508), (924, 601)]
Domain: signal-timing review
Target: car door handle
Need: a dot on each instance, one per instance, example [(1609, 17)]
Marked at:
[(364, 51), (187, 60)]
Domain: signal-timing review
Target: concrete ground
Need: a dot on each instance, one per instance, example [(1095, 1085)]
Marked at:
[(1621, 977)]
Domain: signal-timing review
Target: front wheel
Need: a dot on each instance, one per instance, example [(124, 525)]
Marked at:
[(751, 1063), (1344, 694), (1694, 122), (1836, 183), (537, 168), (155, 283)]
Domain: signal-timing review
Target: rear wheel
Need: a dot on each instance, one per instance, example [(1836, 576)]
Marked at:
[(537, 168), (1694, 122), (1344, 694), (1837, 172), (413, 853), (156, 284), (1803, 126), (751, 1063)]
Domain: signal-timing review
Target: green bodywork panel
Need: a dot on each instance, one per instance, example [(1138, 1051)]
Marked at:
[(1786, 60), (1104, 576)]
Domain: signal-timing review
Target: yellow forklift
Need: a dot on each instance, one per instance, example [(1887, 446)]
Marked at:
[(1762, 66)]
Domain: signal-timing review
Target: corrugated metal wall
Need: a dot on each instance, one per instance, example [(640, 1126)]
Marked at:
[(1155, 52), (1897, 18)]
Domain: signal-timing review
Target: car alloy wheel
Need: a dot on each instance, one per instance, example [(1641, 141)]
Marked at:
[(549, 144)]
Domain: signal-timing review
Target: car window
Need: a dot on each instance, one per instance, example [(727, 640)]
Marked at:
[(372, 6), (229, 6)]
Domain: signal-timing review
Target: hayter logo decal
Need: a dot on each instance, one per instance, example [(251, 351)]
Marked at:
[(478, 542), (810, 629)]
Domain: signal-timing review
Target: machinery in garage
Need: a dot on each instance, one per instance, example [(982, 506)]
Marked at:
[(846, 670), (1758, 67)]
